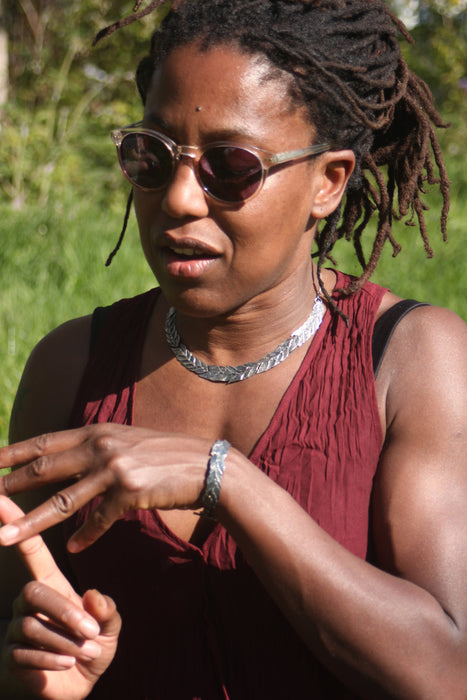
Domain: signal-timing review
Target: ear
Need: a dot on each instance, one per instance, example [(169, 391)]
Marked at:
[(333, 169)]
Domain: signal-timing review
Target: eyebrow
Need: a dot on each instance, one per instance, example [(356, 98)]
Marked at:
[(240, 135)]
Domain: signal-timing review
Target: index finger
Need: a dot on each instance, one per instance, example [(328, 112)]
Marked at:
[(35, 554)]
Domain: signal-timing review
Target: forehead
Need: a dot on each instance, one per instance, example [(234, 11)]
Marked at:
[(223, 88)]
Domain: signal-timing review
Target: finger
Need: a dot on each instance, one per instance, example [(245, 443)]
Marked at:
[(35, 554), (55, 510), (99, 521), (32, 631), (64, 610), (48, 468), (104, 611), (25, 658), (26, 451), (51, 593)]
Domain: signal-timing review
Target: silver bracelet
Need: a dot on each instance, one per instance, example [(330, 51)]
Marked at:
[(214, 472)]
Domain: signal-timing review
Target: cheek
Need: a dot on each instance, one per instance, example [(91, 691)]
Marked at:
[(146, 206), (280, 215)]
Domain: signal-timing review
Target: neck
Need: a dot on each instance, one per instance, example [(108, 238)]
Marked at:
[(247, 333)]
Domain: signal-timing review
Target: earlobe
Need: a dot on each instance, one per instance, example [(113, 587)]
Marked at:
[(335, 170)]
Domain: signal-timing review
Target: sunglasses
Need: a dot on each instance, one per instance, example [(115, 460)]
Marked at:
[(226, 171)]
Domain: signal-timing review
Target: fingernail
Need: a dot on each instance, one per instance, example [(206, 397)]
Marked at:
[(91, 650), (65, 663), (88, 628), (8, 534)]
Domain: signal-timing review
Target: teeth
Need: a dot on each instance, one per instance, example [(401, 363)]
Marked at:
[(184, 251)]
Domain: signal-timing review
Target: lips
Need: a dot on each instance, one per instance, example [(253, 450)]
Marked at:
[(188, 258)]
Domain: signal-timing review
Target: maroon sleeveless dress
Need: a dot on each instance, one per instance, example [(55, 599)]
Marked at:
[(197, 624)]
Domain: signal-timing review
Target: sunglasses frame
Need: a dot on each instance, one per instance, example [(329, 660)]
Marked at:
[(267, 159)]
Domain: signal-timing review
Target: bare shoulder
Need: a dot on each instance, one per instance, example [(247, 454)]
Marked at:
[(420, 519), (51, 380), (425, 359)]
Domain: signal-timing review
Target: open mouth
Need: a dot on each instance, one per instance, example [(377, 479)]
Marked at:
[(192, 253), (189, 253), (190, 262)]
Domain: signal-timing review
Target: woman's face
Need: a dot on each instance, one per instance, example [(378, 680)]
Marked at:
[(212, 258)]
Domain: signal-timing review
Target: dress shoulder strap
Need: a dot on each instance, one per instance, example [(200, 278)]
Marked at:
[(385, 327), (99, 318)]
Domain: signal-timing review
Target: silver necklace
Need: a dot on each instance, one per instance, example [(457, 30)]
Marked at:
[(230, 375)]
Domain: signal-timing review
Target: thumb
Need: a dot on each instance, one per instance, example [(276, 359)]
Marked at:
[(35, 554), (104, 611)]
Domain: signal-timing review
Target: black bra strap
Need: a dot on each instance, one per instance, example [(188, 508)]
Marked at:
[(385, 326)]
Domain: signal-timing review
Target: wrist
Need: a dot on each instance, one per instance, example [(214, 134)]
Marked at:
[(213, 477)]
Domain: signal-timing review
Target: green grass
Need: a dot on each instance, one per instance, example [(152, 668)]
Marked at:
[(52, 269)]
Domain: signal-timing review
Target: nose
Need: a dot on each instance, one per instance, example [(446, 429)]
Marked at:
[(184, 196)]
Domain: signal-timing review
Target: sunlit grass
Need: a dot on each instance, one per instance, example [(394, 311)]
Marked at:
[(52, 269)]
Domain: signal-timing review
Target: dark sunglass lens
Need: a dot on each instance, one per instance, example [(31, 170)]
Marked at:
[(146, 160), (230, 173)]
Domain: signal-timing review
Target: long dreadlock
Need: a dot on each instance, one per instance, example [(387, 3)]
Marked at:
[(346, 67)]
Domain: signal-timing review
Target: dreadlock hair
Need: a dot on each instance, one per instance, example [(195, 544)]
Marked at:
[(345, 66)]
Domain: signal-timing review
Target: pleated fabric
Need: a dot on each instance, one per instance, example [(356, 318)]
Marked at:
[(197, 624)]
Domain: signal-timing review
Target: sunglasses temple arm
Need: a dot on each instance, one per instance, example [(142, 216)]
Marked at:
[(301, 153)]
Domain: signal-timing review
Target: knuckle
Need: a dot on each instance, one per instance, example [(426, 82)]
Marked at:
[(100, 521), (6, 484), (124, 476), (104, 444), (38, 468), (42, 443), (63, 504), (32, 547)]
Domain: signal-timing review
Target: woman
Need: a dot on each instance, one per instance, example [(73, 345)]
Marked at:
[(333, 558)]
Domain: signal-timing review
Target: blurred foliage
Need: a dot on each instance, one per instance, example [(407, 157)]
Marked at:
[(439, 52), (439, 56), (65, 96)]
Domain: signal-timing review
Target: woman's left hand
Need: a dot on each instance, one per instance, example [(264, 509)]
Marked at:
[(130, 467)]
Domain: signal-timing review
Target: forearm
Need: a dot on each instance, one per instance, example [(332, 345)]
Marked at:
[(378, 632)]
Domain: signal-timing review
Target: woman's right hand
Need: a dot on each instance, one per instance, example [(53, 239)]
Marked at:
[(58, 644)]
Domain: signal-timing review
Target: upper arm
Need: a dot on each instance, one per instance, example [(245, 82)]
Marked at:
[(43, 403), (420, 494), (50, 381)]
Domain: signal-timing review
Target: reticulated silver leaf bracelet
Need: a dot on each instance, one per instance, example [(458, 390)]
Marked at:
[(214, 472)]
